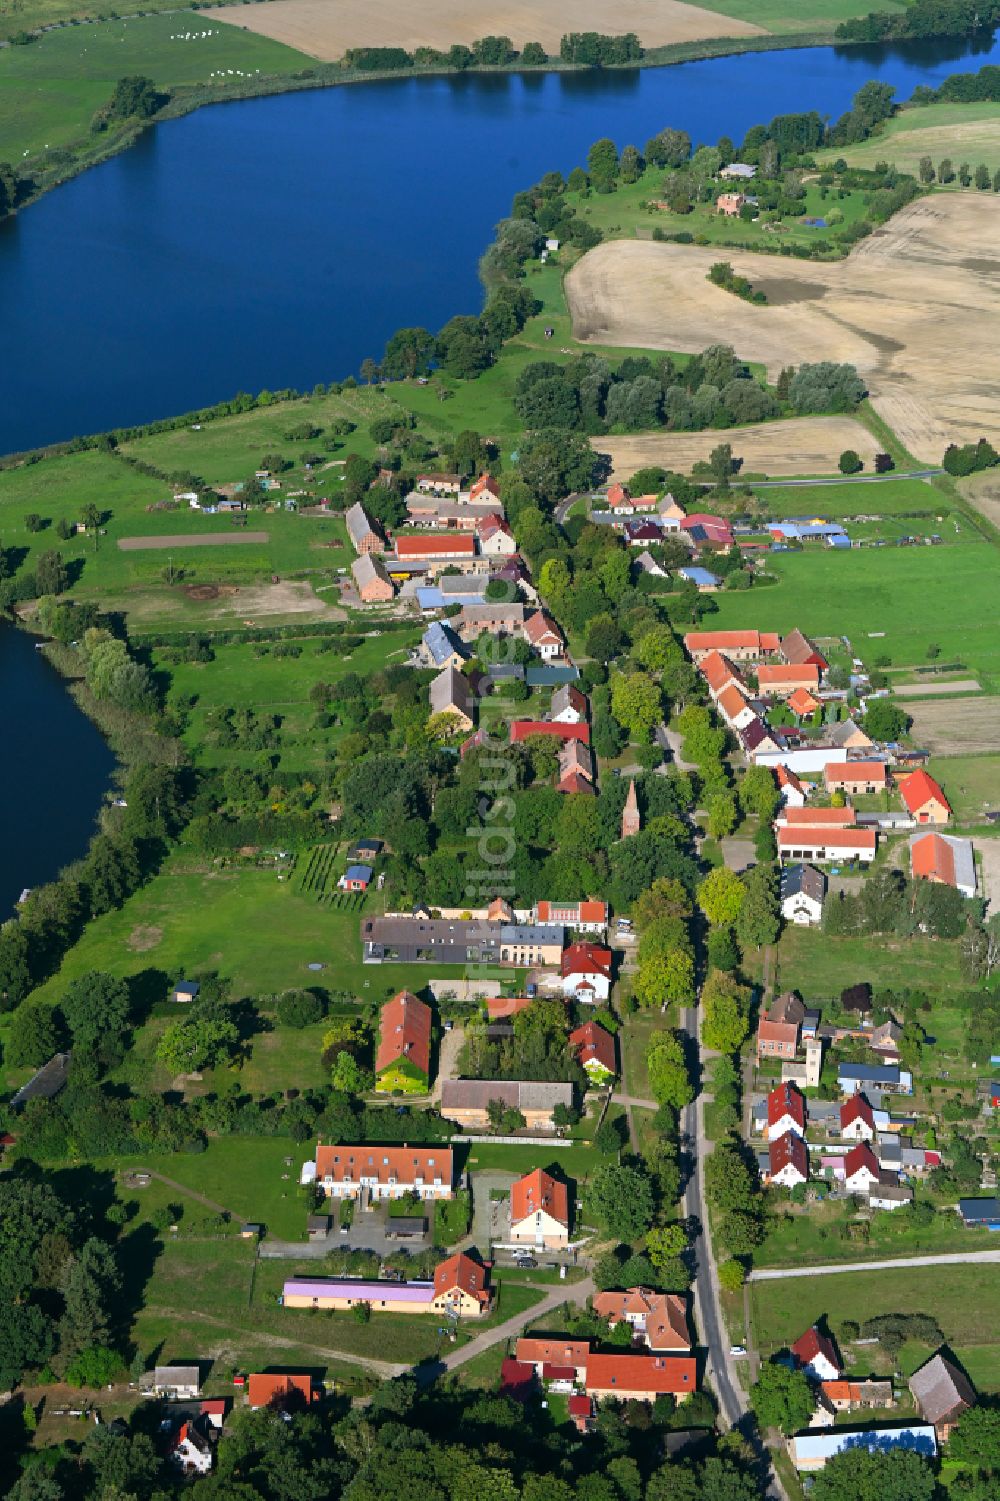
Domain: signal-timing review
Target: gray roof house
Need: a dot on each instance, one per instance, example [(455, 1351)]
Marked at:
[(942, 1393), (442, 646), (450, 693), (177, 1380), (362, 531), (803, 889), (48, 1081), (461, 1097)]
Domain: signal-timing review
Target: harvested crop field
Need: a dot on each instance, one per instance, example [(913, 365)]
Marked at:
[(937, 690), (804, 445), (914, 307), (325, 29), (191, 539), (966, 728)]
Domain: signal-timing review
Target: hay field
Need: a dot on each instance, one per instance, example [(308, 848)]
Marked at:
[(326, 28), (914, 307), (964, 132), (191, 539), (969, 727), (803, 445)]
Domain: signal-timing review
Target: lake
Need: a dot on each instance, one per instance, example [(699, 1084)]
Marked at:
[(277, 242), (56, 768)]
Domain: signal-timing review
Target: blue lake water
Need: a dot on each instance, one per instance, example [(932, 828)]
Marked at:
[(56, 768), (279, 241)]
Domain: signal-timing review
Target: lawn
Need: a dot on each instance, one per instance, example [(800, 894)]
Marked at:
[(783, 16), (965, 1300), (633, 1040), (820, 966), (50, 89), (812, 1237), (261, 933), (891, 497), (890, 601), (575, 1162), (972, 783), (964, 132), (248, 1176)]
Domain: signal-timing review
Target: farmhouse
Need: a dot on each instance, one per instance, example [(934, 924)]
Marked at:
[(658, 1320), (730, 204), (467, 1101), (189, 1449), (348, 1171), (450, 693), (496, 540), (641, 1378), (738, 646), (440, 484), (373, 584), (855, 777), (709, 532), (798, 651), (944, 860), (441, 547), (406, 940), (924, 798), (403, 1059), (539, 1211), (861, 1168), (779, 680), (497, 619), (362, 530), (942, 1393), (595, 1051), (177, 1380), (486, 488), (803, 889), (802, 703), (848, 1396), (523, 729), (569, 705), (586, 972), (429, 510), (734, 708), (718, 673), (576, 768), (538, 1352), (788, 1161), (793, 794), (846, 734)]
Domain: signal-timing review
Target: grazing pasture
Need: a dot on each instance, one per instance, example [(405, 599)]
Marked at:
[(913, 307)]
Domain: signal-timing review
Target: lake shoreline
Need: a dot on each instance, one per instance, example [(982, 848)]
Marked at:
[(186, 98)]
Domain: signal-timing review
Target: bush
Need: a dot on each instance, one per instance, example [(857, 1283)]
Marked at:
[(299, 1008), (850, 462)]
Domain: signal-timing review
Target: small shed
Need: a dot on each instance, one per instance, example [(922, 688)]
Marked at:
[(185, 990), (251, 1230), (318, 1226), (356, 878)]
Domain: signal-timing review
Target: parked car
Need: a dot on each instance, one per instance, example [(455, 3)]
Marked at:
[(525, 1262)]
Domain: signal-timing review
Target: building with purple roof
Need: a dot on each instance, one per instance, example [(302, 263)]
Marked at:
[(348, 1292)]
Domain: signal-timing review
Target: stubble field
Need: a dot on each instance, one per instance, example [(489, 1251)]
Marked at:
[(913, 307), (968, 727), (325, 30), (804, 445)]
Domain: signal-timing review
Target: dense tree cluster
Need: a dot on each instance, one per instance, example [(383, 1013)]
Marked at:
[(922, 19)]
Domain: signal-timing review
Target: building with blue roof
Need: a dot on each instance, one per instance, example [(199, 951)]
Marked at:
[(811, 1451), (442, 646), (700, 576), (356, 878), (551, 676)]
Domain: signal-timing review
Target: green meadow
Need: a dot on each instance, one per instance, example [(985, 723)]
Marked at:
[(50, 90), (785, 16), (964, 132)]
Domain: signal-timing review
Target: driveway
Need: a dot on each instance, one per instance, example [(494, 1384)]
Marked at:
[(566, 1292), (490, 1217), (451, 1046), (670, 741)]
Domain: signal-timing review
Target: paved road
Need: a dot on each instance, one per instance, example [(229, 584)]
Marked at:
[(566, 1292), (957, 1258)]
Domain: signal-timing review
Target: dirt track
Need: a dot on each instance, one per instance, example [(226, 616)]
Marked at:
[(326, 28), (190, 539), (805, 445), (915, 307)]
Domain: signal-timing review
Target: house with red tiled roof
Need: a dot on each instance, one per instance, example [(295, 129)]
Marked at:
[(803, 703), (586, 972), (342, 1170), (641, 1378), (595, 1052), (734, 708), (855, 777), (619, 496), (779, 1031), (738, 646), (705, 530), (817, 1355), (502, 1008), (544, 635), (523, 729), (786, 1111), (924, 798), (857, 1119), (797, 651), (658, 1320), (485, 487), (788, 1161), (461, 1287), (280, 1390), (403, 1059), (588, 916), (793, 794), (496, 540), (577, 768), (443, 547), (943, 860), (539, 1211), (539, 1351), (718, 673), (826, 844), (861, 1168), (816, 818), (780, 680)]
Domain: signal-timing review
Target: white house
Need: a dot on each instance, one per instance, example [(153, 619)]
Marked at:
[(860, 1169), (190, 1450), (786, 1111), (793, 794), (346, 1171), (803, 888), (857, 1119), (788, 1161), (817, 1355), (569, 705), (586, 972)]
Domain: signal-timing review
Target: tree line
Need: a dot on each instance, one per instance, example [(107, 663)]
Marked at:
[(587, 49), (922, 19)]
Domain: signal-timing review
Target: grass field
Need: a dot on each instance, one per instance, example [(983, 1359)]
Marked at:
[(814, 1238), (964, 132), (327, 31), (260, 933), (882, 310), (819, 967), (911, 597), (888, 497), (973, 784), (965, 1300), (50, 89), (783, 16)]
